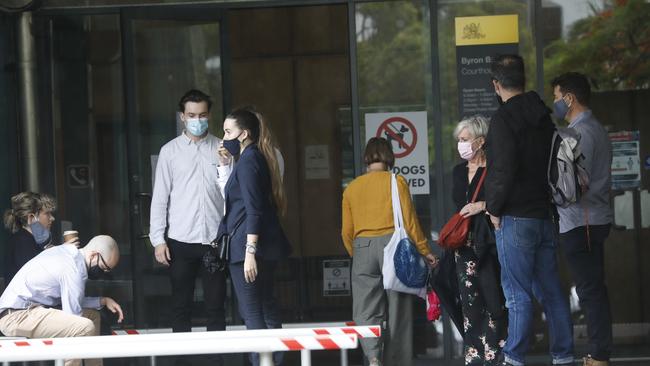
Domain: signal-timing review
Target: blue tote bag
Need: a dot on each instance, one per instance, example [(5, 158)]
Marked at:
[(404, 269)]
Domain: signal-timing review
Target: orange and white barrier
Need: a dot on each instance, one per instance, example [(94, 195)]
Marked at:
[(235, 327), (363, 331), (264, 342)]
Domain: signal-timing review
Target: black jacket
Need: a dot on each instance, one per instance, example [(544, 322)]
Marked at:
[(483, 241), (21, 249), (249, 201), (518, 147)]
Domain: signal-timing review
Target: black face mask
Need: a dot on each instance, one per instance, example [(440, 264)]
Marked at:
[(95, 272)]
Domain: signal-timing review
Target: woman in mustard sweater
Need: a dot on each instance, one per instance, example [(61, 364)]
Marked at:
[(367, 229)]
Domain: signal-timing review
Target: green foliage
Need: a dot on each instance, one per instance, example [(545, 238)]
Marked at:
[(392, 53), (612, 47)]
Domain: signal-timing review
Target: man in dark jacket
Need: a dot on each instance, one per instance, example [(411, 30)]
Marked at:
[(518, 202)]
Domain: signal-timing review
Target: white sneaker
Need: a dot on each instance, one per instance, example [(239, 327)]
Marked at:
[(374, 362)]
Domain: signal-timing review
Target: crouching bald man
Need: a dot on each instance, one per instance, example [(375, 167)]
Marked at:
[(46, 297)]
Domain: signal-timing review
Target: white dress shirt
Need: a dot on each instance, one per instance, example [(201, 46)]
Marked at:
[(55, 277), (187, 193)]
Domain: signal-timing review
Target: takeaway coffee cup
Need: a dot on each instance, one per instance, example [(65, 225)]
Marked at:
[(69, 235)]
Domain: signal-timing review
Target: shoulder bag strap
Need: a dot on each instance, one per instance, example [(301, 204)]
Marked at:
[(479, 185), (398, 219), (237, 226)]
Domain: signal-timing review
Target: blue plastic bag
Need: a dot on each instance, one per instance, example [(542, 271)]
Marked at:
[(410, 267)]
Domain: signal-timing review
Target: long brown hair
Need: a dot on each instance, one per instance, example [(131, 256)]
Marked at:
[(248, 119)]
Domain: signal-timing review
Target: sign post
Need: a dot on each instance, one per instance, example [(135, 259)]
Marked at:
[(478, 41)]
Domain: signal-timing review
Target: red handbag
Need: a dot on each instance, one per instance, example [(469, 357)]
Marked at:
[(454, 234)]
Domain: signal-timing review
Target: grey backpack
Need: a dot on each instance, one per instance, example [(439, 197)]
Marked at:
[(567, 176)]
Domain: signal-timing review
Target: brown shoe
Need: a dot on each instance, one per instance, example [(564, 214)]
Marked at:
[(588, 361)]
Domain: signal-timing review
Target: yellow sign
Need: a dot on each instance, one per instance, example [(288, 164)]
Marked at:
[(496, 29)]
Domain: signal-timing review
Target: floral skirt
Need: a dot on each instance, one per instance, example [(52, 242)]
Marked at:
[(484, 336)]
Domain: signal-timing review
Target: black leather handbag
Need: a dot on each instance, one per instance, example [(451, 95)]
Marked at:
[(216, 258)]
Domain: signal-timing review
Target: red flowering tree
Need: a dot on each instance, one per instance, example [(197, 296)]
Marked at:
[(611, 46)]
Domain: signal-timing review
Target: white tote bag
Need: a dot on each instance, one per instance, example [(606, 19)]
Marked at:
[(391, 282)]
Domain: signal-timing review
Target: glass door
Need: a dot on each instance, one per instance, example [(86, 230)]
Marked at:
[(167, 52)]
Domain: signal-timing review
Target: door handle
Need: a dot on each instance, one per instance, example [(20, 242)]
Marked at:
[(140, 196)]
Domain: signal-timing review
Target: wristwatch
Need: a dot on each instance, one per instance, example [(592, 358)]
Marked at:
[(251, 248)]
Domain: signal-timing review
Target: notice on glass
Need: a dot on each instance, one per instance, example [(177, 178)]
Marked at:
[(336, 277), (626, 160), (317, 162), (408, 134), (478, 41)]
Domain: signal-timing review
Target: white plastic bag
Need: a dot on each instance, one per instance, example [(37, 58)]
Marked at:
[(391, 282)]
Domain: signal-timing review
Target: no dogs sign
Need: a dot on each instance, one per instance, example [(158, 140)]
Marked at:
[(407, 133)]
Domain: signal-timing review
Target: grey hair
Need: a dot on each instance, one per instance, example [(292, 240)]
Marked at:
[(476, 125)]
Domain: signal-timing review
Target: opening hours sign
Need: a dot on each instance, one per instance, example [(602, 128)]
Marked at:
[(408, 135)]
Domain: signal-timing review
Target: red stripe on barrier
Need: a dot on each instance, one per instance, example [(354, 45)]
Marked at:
[(292, 344), (321, 331), (22, 344), (376, 330), (351, 331), (131, 331), (48, 342), (328, 343)]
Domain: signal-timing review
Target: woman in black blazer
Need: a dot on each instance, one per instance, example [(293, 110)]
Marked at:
[(254, 196)]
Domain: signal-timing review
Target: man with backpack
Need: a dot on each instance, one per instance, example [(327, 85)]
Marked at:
[(585, 225), (519, 204)]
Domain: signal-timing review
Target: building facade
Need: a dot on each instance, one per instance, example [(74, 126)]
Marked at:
[(105, 78)]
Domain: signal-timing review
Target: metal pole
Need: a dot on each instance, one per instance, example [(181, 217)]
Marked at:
[(266, 359), (153, 360), (344, 357), (354, 90), (28, 102), (305, 357), (59, 363)]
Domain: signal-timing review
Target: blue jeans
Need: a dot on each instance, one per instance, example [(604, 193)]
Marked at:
[(527, 253)]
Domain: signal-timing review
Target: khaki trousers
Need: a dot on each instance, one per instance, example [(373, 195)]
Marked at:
[(372, 305), (41, 322)]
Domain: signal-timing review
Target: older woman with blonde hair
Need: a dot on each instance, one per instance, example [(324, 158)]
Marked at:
[(477, 266)]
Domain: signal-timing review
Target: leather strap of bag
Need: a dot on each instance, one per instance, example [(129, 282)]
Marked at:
[(478, 187), (216, 240), (237, 226)]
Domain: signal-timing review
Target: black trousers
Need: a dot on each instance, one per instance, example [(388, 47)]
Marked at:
[(186, 264), (587, 267)]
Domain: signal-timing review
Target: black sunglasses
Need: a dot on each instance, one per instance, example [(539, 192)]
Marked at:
[(107, 267)]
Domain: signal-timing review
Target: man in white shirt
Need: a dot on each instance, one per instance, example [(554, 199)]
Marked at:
[(56, 278), (188, 201)]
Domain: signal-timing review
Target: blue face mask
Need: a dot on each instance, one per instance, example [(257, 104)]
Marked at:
[(197, 126), (233, 146), (41, 233), (560, 108)]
